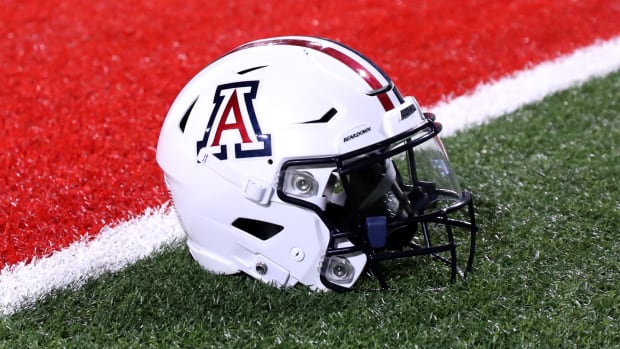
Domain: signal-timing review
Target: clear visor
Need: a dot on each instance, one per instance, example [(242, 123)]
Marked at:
[(415, 181), (432, 166), (412, 179)]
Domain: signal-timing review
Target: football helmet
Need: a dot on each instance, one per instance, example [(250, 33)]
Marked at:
[(296, 160)]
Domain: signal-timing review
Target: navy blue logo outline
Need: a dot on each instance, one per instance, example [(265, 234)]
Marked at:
[(248, 99)]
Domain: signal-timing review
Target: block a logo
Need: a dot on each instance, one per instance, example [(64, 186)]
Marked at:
[(233, 122)]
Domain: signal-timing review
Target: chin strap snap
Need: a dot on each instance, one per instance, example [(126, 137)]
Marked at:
[(257, 191), (376, 228)]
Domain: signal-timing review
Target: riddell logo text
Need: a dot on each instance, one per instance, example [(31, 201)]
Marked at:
[(356, 134)]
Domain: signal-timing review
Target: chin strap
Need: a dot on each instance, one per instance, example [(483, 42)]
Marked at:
[(253, 188)]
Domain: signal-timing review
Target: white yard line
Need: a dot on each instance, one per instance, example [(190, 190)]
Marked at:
[(118, 246), (491, 100), (113, 249)]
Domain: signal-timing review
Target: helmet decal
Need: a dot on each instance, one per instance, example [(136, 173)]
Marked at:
[(233, 121)]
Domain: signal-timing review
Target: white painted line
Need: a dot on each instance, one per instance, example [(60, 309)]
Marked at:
[(494, 99), (111, 250), (116, 247)]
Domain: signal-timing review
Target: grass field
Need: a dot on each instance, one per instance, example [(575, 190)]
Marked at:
[(547, 272)]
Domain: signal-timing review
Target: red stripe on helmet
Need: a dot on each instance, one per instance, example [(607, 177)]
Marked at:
[(342, 57)]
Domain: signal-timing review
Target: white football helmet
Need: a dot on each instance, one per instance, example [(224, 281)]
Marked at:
[(296, 160)]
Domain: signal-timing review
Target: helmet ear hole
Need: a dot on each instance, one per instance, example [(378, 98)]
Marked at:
[(259, 229)]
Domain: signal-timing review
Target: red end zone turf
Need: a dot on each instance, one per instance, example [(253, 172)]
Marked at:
[(86, 85)]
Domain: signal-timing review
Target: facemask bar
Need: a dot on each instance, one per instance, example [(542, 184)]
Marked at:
[(369, 236)]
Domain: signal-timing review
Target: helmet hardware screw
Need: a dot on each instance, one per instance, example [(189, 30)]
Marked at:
[(302, 184), (297, 254), (261, 268), (340, 270)]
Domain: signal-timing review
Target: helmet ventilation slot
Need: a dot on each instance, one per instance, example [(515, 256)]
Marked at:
[(260, 229)]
